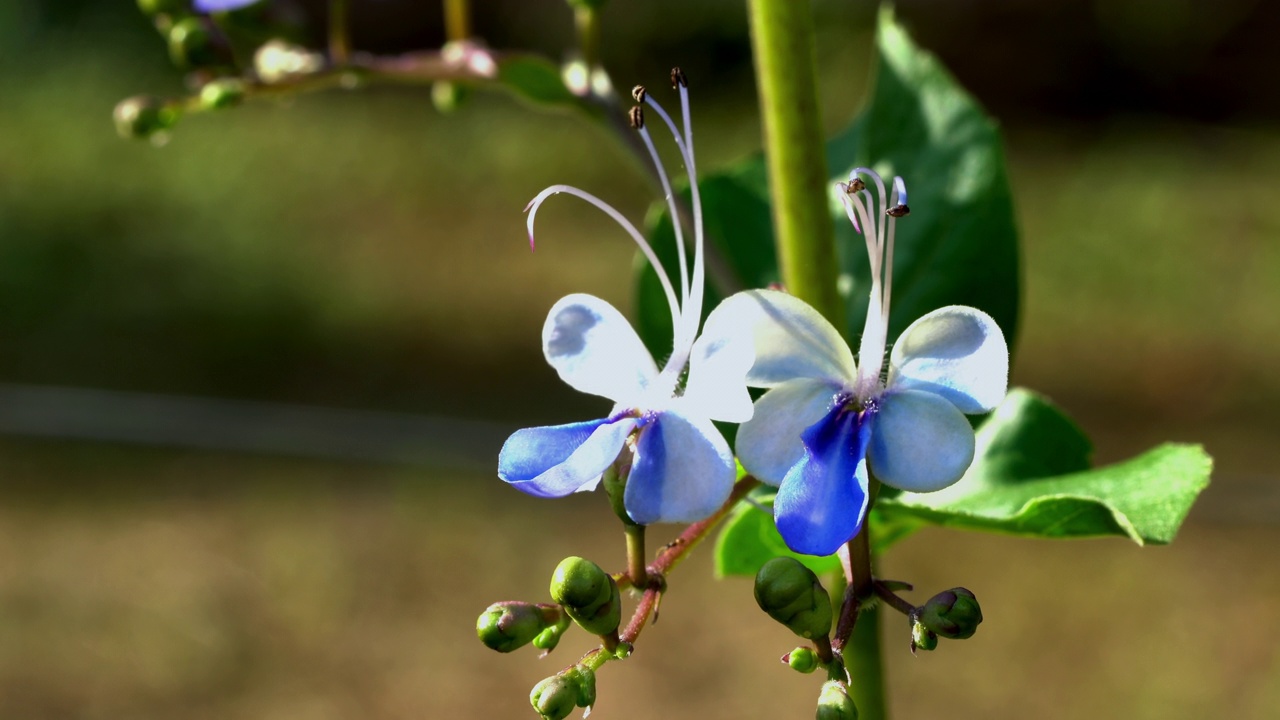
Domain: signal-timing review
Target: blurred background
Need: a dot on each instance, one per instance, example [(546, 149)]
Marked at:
[(252, 383)]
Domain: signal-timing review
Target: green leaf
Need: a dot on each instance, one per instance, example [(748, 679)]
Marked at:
[(749, 539), (1029, 479), (536, 80), (738, 226), (958, 246)]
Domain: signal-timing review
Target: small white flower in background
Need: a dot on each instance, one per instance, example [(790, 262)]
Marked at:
[(682, 469), (826, 421)]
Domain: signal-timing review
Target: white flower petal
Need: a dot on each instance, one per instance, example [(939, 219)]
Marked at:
[(593, 348), (718, 367), (683, 471), (769, 444), (957, 352), (919, 441), (791, 339)]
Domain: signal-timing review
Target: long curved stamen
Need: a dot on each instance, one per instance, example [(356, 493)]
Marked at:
[(898, 208), (687, 329), (881, 194), (637, 121), (872, 344), (606, 208)]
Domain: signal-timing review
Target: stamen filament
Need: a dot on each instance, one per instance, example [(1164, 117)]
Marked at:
[(670, 197), (606, 208)]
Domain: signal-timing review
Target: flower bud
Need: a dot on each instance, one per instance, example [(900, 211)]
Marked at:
[(791, 594), (589, 595), (143, 116), (448, 96), (195, 42), (506, 626), (555, 697), (550, 637), (802, 659), (953, 614), (922, 638), (164, 7), (834, 702), (222, 93), (586, 4)]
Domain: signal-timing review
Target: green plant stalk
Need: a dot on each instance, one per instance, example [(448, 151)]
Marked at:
[(339, 33), (783, 44), (865, 662)]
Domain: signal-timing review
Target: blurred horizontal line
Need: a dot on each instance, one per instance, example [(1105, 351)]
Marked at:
[(249, 427)]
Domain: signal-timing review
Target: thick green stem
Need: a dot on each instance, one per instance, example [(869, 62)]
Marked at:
[(339, 33), (865, 663), (782, 37)]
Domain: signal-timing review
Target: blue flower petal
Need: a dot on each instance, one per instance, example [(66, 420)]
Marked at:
[(217, 5), (769, 444), (683, 471), (823, 499), (556, 460), (957, 352), (920, 442)]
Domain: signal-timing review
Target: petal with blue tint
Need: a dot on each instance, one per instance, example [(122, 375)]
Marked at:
[(217, 5), (822, 502), (769, 444), (595, 350), (791, 339), (957, 352), (683, 471), (718, 366), (920, 442), (556, 460)]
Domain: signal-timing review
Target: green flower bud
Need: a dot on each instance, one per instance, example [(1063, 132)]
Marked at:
[(589, 595), (143, 116), (802, 659), (447, 97), (791, 594), (580, 584), (555, 697), (550, 637), (922, 638), (953, 614), (834, 702), (586, 4), (164, 7), (222, 93), (195, 42), (506, 626)]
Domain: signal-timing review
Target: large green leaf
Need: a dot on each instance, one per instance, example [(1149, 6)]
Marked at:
[(958, 246), (1029, 478)]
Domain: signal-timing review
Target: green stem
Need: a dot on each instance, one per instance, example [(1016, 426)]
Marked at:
[(635, 556), (587, 21), (865, 663), (457, 20), (782, 37), (339, 33)]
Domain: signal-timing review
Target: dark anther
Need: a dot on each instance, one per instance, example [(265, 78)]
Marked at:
[(638, 92), (637, 117), (678, 80), (898, 211), (856, 186)]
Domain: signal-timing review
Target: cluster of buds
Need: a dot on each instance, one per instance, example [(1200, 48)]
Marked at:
[(953, 614), (555, 697)]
